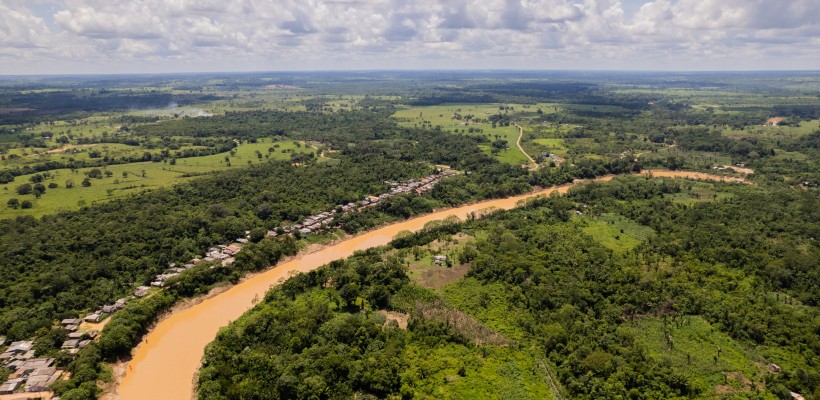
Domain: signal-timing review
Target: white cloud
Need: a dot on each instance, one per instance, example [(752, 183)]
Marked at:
[(275, 34)]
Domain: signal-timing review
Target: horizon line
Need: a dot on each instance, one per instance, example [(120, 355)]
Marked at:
[(460, 70)]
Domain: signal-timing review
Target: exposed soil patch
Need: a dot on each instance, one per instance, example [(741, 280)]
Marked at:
[(737, 383), (775, 121), (740, 169), (438, 277), (61, 149), (400, 318)]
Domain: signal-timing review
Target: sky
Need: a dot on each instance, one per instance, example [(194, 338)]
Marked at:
[(156, 36)]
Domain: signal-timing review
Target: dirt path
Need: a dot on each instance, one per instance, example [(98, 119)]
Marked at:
[(165, 363), (533, 165)]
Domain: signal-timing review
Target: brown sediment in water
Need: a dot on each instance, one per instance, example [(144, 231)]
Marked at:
[(165, 363)]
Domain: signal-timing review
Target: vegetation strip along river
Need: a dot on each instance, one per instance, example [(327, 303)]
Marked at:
[(165, 362)]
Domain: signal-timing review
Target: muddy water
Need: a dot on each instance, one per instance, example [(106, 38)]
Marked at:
[(164, 364)]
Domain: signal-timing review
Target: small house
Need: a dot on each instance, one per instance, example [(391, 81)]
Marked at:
[(439, 259), (94, 317), (141, 291), (19, 347), (10, 386), (70, 321), (120, 303)]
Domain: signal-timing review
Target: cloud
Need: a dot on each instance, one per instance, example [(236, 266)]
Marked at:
[(20, 29), (247, 34)]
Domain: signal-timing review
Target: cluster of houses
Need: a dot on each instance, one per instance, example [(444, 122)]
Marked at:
[(79, 340), (324, 220), (223, 253), (31, 374), (97, 315)]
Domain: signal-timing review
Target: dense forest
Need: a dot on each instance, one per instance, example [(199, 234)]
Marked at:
[(741, 271)]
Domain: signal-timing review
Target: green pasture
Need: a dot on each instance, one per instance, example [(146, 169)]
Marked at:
[(443, 116), (128, 179), (774, 132), (615, 232)]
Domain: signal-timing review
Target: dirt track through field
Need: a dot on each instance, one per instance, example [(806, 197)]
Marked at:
[(518, 143)]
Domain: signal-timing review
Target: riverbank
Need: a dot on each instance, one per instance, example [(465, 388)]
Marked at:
[(165, 362)]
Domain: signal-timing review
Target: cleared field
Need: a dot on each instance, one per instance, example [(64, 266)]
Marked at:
[(128, 179), (552, 145), (805, 128), (618, 233), (445, 117), (699, 192), (716, 364)]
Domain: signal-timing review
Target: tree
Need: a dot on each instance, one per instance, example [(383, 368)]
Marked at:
[(13, 203), (53, 185), (39, 190), (94, 173), (26, 204), (69, 184), (24, 189), (86, 182)]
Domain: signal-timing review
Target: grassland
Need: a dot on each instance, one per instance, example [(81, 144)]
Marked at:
[(773, 132), (443, 116), (697, 192), (553, 145), (128, 179), (618, 233), (716, 364)]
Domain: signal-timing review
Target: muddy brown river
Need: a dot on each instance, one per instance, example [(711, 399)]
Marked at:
[(165, 363)]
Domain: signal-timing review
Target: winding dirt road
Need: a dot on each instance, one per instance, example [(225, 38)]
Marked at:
[(165, 363), (533, 165)]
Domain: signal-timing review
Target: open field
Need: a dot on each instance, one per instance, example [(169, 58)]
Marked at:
[(774, 132), (128, 179), (618, 233), (443, 116)]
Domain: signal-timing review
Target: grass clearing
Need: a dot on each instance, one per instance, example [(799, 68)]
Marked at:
[(774, 132), (615, 232), (694, 353)]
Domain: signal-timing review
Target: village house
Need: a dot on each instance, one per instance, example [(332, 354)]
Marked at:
[(18, 348), (70, 321), (10, 386), (93, 317), (41, 378), (141, 291)]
